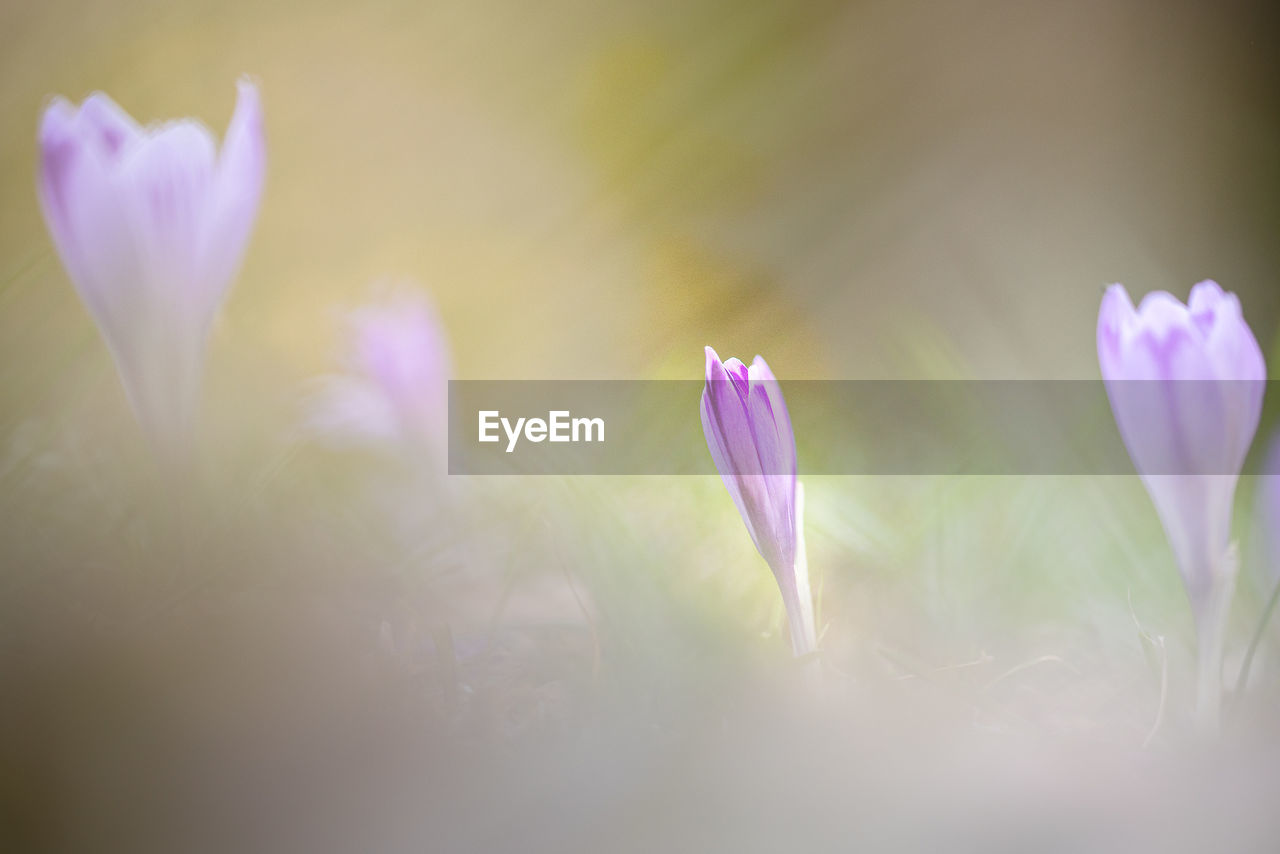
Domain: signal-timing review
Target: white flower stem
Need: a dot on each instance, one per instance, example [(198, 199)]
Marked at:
[(1211, 632), (799, 603), (1209, 681)]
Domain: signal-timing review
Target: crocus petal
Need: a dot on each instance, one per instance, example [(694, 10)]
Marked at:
[(107, 127), (400, 344), (730, 435), (240, 173), (1237, 360), (776, 454), (81, 204), (59, 150), (396, 383), (160, 320), (720, 456), (166, 186), (729, 417)]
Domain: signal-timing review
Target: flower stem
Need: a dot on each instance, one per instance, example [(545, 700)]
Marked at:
[(1211, 632), (800, 606), (1209, 679)]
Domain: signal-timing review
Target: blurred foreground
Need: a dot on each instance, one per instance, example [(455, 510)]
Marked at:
[(406, 663)]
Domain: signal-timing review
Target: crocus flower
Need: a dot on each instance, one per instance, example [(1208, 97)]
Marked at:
[(151, 224), (1186, 385), (395, 388), (749, 433)]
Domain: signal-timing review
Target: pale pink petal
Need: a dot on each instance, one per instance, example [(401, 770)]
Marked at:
[(239, 177)]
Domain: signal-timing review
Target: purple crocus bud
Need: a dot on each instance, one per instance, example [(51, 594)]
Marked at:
[(395, 388), (1186, 385), (749, 433), (151, 224)]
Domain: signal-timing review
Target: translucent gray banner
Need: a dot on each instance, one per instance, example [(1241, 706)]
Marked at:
[(859, 427)]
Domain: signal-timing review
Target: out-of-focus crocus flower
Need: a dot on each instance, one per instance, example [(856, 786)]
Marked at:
[(396, 385), (749, 433), (1186, 385), (151, 224)]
